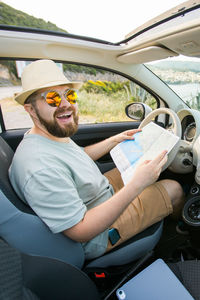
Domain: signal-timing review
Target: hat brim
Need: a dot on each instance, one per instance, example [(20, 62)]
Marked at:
[(21, 97)]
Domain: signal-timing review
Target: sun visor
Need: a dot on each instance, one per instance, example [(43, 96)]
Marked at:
[(145, 55)]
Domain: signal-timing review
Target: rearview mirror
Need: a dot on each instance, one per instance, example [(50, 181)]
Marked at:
[(137, 111)]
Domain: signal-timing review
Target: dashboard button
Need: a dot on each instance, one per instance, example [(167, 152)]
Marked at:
[(194, 190)]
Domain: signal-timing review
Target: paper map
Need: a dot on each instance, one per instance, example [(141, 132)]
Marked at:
[(147, 145)]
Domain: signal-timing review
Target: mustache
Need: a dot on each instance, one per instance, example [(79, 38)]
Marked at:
[(63, 110)]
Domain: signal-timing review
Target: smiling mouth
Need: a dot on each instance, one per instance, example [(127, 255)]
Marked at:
[(64, 116)]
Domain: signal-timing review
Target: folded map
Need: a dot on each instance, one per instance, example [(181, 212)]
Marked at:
[(148, 143)]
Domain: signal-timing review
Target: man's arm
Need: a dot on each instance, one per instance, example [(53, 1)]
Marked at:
[(99, 149), (101, 217)]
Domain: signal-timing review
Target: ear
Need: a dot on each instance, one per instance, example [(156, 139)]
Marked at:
[(30, 109)]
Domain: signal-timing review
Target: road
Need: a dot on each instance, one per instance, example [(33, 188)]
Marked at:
[(8, 91), (14, 115)]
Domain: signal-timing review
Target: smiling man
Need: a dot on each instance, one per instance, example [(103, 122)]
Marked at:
[(61, 181), (62, 122)]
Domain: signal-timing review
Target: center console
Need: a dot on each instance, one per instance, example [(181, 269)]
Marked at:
[(191, 214)]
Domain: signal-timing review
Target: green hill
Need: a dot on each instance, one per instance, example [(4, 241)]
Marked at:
[(11, 16)]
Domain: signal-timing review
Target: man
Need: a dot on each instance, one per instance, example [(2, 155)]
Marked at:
[(61, 181)]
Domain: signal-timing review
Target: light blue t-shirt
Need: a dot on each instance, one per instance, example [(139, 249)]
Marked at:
[(60, 182)]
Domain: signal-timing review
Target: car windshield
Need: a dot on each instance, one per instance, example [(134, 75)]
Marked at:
[(182, 75)]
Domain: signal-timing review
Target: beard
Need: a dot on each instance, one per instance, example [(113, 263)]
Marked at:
[(54, 128)]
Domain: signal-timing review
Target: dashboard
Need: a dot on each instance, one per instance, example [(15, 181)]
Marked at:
[(188, 126), (189, 132), (188, 155), (184, 157)]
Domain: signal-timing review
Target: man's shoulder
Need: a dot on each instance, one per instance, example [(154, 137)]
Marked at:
[(37, 145), (35, 153), (30, 153), (28, 148)]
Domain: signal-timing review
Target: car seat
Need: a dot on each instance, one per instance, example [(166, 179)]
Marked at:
[(25, 231), (27, 277)]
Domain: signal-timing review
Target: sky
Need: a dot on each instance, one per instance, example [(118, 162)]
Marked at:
[(108, 20)]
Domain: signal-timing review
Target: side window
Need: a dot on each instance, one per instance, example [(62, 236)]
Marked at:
[(182, 75), (14, 115), (102, 98), (104, 94)]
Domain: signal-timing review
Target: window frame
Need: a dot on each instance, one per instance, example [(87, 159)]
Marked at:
[(147, 89)]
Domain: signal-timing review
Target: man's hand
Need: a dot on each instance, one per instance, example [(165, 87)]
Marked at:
[(100, 217), (98, 150), (148, 172), (125, 135)]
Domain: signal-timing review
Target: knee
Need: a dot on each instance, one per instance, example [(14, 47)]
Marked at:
[(176, 195), (175, 191)]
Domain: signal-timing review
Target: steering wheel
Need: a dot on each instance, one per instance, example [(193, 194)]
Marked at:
[(176, 129)]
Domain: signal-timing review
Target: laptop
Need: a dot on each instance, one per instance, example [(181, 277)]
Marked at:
[(156, 282)]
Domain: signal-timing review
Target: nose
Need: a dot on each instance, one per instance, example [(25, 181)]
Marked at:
[(64, 102)]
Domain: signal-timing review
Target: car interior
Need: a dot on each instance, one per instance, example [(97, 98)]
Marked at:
[(52, 266)]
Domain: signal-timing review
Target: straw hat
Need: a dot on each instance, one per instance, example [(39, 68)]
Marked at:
[(41, 74)]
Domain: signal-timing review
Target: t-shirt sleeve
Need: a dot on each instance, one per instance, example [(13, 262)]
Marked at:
[(53, 196)]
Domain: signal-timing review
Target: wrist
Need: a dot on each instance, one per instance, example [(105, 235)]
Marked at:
[(135, 186), (112, 142)]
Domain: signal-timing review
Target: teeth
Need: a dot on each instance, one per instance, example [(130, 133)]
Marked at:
[(64, 115)]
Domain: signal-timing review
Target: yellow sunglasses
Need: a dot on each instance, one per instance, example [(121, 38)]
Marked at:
[(54, 99)]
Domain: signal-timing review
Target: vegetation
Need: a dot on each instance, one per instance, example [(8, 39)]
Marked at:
[(107, 87), (10, 65), (11, 16), (100, 107), (82, 69), (194, 102), (125, 90)]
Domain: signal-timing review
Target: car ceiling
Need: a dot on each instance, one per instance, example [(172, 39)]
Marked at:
[(179, 33)]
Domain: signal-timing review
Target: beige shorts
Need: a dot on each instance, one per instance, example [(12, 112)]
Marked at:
[(151, 206)]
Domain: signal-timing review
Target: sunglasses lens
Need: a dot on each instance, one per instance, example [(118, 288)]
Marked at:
[(53, 99), (71, 96)]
